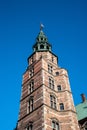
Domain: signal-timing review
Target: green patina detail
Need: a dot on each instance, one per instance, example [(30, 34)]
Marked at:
[(81, 110), (42, 43)]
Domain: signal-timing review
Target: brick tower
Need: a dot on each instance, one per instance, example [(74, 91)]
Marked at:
[(46, 100)]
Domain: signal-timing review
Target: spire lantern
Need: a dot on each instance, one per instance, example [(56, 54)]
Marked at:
[(42, 43)]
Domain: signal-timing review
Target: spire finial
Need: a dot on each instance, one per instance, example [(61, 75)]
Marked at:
[(41, 27)]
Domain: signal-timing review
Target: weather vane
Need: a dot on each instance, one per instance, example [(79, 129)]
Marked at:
[(41, 27)]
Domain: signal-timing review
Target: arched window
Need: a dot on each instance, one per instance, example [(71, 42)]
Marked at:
[(41, 46), (48, 47), (41, 38), (53, 101), (29, 126), (55, 125), (45, 39)]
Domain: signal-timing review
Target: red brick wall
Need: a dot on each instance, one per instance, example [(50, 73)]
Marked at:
[(43, 114)]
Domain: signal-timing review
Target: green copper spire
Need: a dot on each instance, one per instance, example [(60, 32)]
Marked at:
[(42, 43)]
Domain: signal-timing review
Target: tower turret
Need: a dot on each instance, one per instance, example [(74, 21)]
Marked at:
[(46, 100), (42, 43)]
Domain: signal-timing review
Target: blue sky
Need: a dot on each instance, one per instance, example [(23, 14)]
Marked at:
[(65, 24)]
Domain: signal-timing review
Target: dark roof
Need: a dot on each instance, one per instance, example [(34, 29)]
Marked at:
[(42, 43)]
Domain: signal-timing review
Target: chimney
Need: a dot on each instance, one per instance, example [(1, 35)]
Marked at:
[(83, 97)]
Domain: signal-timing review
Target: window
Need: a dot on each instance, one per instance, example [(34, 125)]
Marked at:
[(29, 127), (57, 73), (52, 59), (45, 39), (55, 125), (51, 83), (41, 38), (31, 87), (59, 87), (61, 106), (53, 101), (41, 46), (31, 72), (47, 47), (50, 69), (30, 105)]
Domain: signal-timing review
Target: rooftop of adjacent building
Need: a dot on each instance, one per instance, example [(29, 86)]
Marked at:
[(81, 109)]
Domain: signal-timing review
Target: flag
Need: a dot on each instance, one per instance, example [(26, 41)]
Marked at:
[(41, 26)]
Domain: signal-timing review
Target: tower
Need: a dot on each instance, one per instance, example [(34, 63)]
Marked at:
[(46, 100)]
